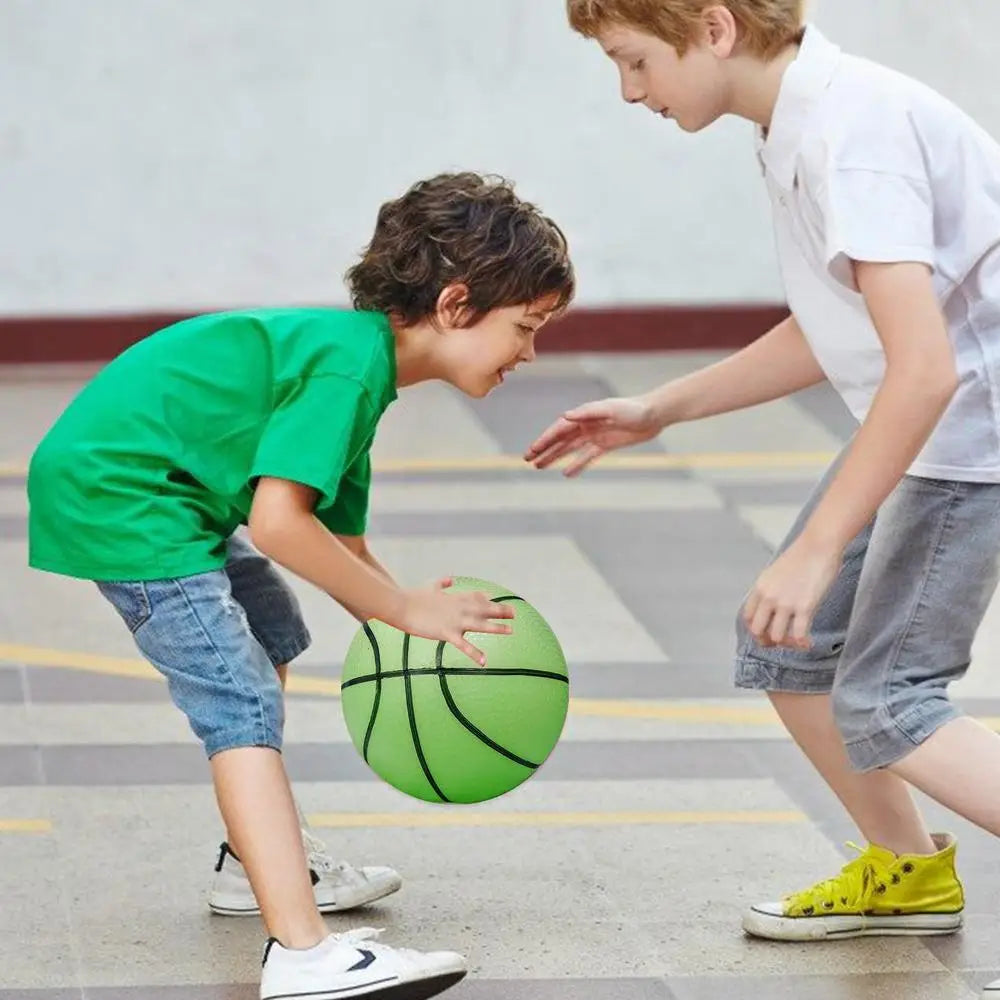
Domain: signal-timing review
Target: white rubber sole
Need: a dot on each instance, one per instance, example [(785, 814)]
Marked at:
[(382, 989), (240, 905), (766, 925)]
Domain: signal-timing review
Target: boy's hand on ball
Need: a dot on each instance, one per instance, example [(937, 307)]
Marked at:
[(435, 613), (592, 430)]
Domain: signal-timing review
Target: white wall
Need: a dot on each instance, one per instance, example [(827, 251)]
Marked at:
[(203, 153)]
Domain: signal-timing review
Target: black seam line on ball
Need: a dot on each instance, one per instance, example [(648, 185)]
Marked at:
[(413, 720), (378, 688), (506, 597), (457, 712), (387, 675)]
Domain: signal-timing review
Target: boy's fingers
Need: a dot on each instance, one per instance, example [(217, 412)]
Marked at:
[(549, 437), (799, 631), (779, 627), (555, 452), (761, 617), (587, 456), (476, 655)]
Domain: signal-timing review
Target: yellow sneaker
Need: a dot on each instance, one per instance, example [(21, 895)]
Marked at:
[(878, 893)]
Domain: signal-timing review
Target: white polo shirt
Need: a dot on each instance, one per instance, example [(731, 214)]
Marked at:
[(863, 163)]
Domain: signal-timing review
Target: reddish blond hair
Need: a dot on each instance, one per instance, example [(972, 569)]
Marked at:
[(766, 26)]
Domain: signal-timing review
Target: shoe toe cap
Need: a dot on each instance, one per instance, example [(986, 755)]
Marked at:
[(769, 909), (381, 874)]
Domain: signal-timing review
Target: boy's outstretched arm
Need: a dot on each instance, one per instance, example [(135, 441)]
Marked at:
[(283, 527), (773, 366), (920, 380), (358, 545)]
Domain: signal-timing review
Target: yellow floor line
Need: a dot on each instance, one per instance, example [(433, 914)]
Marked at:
[(25, 826), (686, 711), (495, 819), (635, 462), (325, 687)]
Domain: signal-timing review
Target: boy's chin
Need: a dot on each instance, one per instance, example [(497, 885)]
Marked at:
[(478, 388)]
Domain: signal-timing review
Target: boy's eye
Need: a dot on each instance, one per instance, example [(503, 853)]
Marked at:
[(638, 66)]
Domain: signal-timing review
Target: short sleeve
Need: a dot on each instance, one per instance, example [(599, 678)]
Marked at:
[(348, 515), (317, 430), (876, 216)]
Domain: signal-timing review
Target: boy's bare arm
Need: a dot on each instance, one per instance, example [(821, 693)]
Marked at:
[(283, 526), (775, 365), (919, 382), (359, 546)]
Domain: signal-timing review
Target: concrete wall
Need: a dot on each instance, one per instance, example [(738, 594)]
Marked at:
[(186, 154)]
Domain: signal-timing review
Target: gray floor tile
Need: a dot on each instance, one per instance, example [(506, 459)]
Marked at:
[(926, 986), (823, 404), (123, 765), (13, 526), (12, 686), (562, 989), (56, 686), (517, 414), (687, 595), (787, 491), (39, 994), (157, 764), (223, 991), (21, 765), (470, 989)]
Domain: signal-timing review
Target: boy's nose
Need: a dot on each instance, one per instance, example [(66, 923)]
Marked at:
[(632, 94)]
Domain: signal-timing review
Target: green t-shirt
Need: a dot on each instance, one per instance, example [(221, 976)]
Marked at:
[(152, 467)]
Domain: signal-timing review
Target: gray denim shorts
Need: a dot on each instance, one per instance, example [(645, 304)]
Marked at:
[(217, 638), (897, 626)]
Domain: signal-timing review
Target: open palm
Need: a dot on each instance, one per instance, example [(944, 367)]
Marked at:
[(592, 430)]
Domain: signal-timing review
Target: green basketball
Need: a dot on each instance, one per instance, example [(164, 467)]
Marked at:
[(436, 726)]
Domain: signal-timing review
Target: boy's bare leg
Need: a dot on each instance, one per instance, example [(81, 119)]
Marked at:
[(257, 807), (959, 766), (879, 802)]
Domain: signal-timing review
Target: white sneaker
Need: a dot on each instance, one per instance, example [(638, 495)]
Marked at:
[(336, 884), (992, 991), (353, 965)]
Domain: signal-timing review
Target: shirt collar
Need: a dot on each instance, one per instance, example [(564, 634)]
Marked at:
[(803, 83)]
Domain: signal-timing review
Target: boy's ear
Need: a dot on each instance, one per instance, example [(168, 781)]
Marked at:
[(453, 310), (720, 30)]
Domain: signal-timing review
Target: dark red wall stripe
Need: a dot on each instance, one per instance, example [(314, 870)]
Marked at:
[(640, 328)]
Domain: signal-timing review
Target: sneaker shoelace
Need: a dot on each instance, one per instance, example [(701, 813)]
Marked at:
[(853, 889), (368, 935), (319, 859)]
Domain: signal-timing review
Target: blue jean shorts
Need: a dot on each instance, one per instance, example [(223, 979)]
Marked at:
[(217, 638), (897, 626)]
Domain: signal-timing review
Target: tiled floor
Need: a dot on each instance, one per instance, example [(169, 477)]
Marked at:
[(618, 873)]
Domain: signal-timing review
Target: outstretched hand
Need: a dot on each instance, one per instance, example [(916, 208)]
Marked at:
[(592, 430)]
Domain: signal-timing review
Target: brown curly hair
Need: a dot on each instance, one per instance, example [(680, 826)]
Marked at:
[(461, 228)]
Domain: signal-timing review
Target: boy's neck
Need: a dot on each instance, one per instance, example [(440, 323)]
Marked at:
[(756, 85), (415, 355)]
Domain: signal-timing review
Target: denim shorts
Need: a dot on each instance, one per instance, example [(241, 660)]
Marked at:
[(217, 638), (897, 626)]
